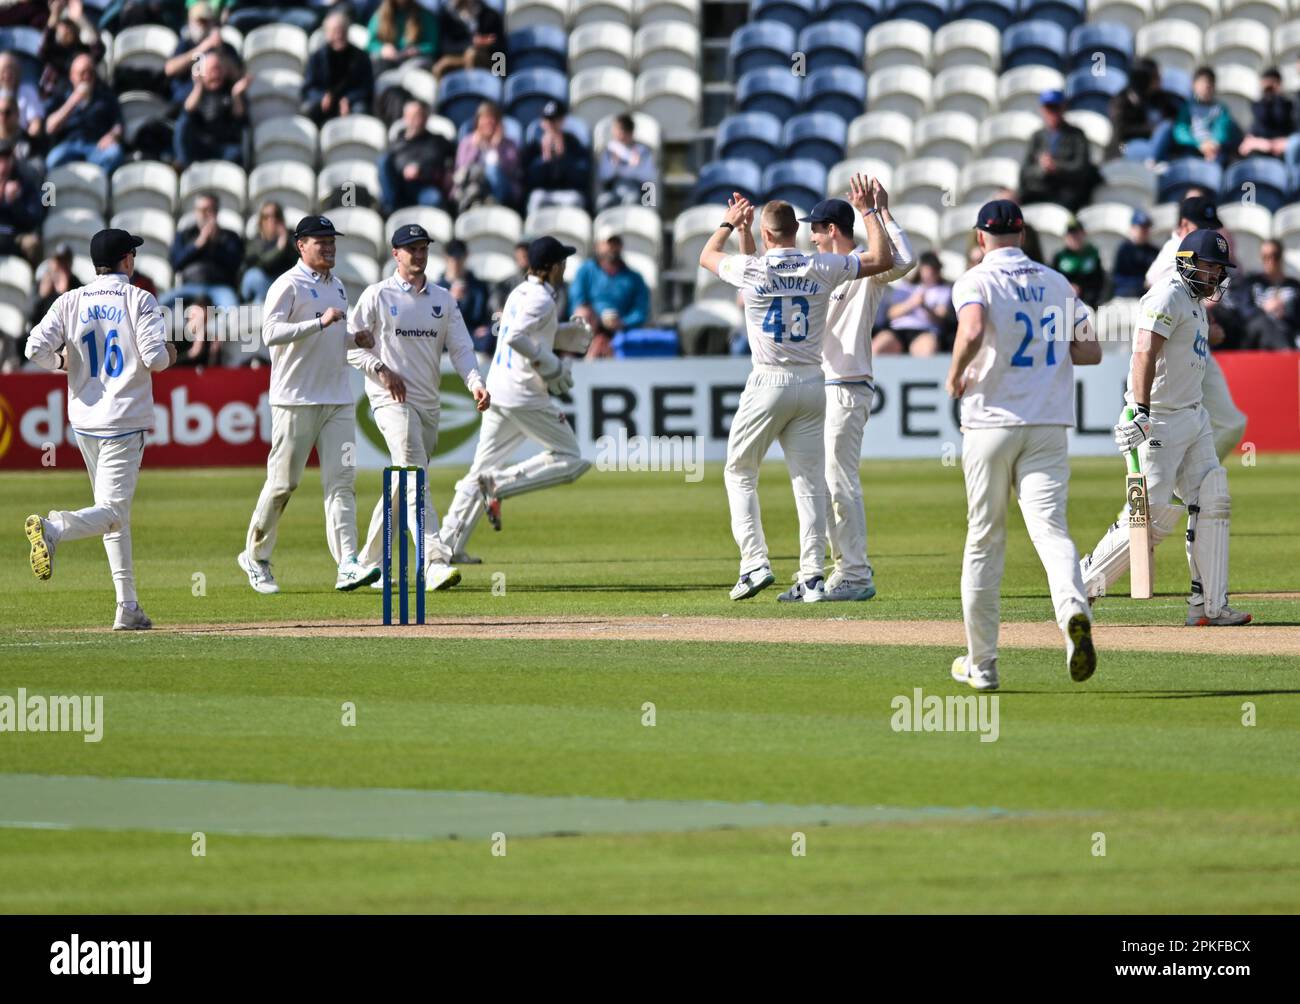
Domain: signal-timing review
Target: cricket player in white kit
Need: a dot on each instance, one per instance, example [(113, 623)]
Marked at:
[(786, 293), (846, 363), (1019, 334), (412, 322), (1172, 433), (110, 337), (525, 372), (1227, 423), (304, 326)]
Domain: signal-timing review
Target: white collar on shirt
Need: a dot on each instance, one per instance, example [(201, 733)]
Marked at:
[(407, 287), (544, 284), (311, 273)]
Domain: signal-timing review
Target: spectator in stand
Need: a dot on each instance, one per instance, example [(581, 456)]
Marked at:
[(205, 258), (1080, 262), (202, 350), (487, 163), (268, 255), (200, 36), (1134, 256), (1141, 115), (1057, 167), (1277, 296), (414, 171), (68, 34), (84, 122), (471, 296), (1204, 127), (917, 314), (120, 14), (557, 167), (609, 296), (626, 167), (21, 211), (402, 30), (1273, 119), (214, 116), (11, 132), (31, 107), (470, 32), (53, 279), (339, 79)]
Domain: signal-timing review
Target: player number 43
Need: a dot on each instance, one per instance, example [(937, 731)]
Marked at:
[(113, 358), (1022, 357), (773, 322)]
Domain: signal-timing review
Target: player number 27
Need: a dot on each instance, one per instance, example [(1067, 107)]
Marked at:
[(774, 325), (1023, 358), (113, 358)]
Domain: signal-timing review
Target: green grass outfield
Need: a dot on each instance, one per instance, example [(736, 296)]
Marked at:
[(1198, 811)]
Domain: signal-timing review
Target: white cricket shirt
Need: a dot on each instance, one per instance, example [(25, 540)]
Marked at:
[(113, 335), (786, 292), (852, 312), (512, 380), (1169, 310), (1022, 373), (308, 365), (411, 330)]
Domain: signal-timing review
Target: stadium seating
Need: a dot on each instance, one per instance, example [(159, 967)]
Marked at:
[(292, 138), (819, 136), (832, 44), (1262, 180), (1007, 134), (898, 43), (902, 89), (352, 137), (666, 44), (927, 181), (1171, 43), (980, 180), (762, 45), (1034, 43), (154, 226), (754, 136), (885, 135), (526, 92), (531, 13), (952, 136), (797, 180), (594, 94), (145, 184), (489, 228), (599, 45), (1250, 224), (836, 91), (672, 96), (774, 91), (930, 13), (971, 90), (998, 13), (462, 92), (795, 13), (80, 185), (1183, 174), (1114, 42), (226, 181), (837, 181), (538, 46)]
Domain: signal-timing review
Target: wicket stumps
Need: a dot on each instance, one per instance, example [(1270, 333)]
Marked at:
[(403, 607)]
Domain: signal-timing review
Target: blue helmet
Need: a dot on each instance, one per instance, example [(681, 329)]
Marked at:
[(1202, 260)]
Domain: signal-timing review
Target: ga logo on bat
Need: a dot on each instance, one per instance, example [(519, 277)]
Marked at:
[(1137, 500)]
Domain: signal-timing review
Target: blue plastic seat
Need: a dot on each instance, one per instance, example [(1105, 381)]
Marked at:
[(762, 45), (999, 13), (801, 182), (931, 13), (774, 91), (527, 91), (645, 343), (1269, 177), (1034, 43), (1092, 92), (460, 93), (839, 91), (1112, 40), (1069, 14), (538, 46), (1176, 82), (754, 136), (796, 13), (818, 136), (1182, 174), (718, 179), (832, 44), (864, 13)]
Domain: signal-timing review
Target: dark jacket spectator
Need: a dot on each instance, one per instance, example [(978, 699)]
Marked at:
[(200, 36), (21, 211), (339, 80), (471, 295), (1133, 258), (31, 106), (1137, 110), (55, 279), (84, 122), (401, 30), (11, 132), (268, 255), (206, 257), (61, 44), (1273, 119), (557, 167), (1277, 296), (215, 115), (416, 168), (470, 32), (1057, 166), (487, 163), (1080, 262)]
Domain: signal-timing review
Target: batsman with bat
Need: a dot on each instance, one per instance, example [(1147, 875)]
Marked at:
[(1172, 434)]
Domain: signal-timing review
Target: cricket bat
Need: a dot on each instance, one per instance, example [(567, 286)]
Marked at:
[(1139, 528)]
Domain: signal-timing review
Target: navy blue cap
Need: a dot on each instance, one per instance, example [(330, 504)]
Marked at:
[(412, 233), (547, 251), (1201, 210), (1140, 219), (835, 211), (457, 248), (553, 109), (108, 247), (315, 226), (1001, 216), (1051, 96), (1209, 246)]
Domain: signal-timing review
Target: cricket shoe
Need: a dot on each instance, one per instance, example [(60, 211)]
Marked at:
[(354, 575), (980, 679), (40, 535), (842, 591), (812, 591), (1080, 656), (461, 558), (752, 583), (439, 576), (491, 504), (258, 572), (131, 618), (1227, 617)]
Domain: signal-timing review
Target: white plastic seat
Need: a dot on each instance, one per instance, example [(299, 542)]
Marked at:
[(691, 231), (490, 228), (921, 223), (951, 136), (1201, 13), (79, 185), (1132, 14), (16, 282), (956, 226), (1050, 220), (1237, 87), (601, 44), (352, 137), (584, 12), (145, 184), (967, 43), (346, 177), (1007, 134), (139, 107), (1019, 88), (981, 179), (275, 47), (288, 182), (436, 221), (155, 226), (1269, 13), (971, 90), (902, 89), (1164, 217), (527, 13), (666, 44), (361, 230), (274, 94), (356, 271), (495, 266), (882, 135), (1096, 126), (1126, 181), (898, 43), (639, 226), (837, 179), (927, 181), (293, 138), (1249, 224), (709, 287), (143, 47), (667, 11), (567, 224), (227, 219), (712, 313), (671, 95), (1108, 225), (1246, 43), (1171, 43), (1286, 224), (594, 94), (644, 130), (225, 180), (155, 267)]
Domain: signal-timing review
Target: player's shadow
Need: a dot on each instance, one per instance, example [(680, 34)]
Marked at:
[(1183, 695)]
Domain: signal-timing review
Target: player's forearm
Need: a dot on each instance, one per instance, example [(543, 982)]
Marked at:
[(365, 361), (1142, 375), (282, 332), (44, 354), (879, 255), (715, 248), (746, 237), (904, 257)]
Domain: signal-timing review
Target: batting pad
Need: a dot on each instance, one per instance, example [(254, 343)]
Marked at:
[(1210, 545)]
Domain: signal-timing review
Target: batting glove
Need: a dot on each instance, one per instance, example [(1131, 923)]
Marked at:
[(562, 382), (1132, 433)]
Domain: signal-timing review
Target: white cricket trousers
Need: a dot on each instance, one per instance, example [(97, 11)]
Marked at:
[(785, 404), (1226, 420), (1032, 461), (848, 406), (411, 434), (332, 430), (503, 431), (114, 469)]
